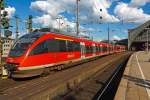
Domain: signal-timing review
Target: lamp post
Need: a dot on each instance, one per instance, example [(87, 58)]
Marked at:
[(77, 23), (17, 21)]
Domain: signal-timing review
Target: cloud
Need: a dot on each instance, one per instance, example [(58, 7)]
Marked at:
[(10, 10), (53, 7), (52, 10), (137, 3), (104, 5), (131, 14), (115, 37), (47, 21), (89, 11)]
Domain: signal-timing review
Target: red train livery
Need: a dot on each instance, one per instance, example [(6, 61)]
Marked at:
[(36, 51)]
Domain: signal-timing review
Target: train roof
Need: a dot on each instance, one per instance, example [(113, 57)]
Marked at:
[(56, 31), (39, 34), (33, 35)]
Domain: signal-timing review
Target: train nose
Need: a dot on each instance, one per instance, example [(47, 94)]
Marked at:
[(12, 64), (10, 67)]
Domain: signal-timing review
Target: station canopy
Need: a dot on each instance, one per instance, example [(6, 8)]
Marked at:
[(139, 37)]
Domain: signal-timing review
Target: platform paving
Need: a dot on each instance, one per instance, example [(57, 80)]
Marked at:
[(135, 83)]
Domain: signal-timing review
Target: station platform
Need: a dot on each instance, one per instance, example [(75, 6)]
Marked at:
[(135, 83)]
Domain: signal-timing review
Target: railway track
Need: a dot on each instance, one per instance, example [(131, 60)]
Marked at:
[(54, 85), (109, 89), (100, 86)]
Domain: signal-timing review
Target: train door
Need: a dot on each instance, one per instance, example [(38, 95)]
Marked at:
[(108, 50), (94, 49), (101, 49), (82, 50)]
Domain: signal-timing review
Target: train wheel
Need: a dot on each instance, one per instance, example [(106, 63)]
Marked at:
[(59, 67), (46, 72)]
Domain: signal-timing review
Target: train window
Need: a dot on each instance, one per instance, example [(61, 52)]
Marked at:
[(101, 49), (111, 48), (89, 49), (70, 45), (97, 49), (76, 46), (73, 46), (86, 49), (104, 49), (20, 46), (53, 45), (23, 43), (40, 48), (62, 46)]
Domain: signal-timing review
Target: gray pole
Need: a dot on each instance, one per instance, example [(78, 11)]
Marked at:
[(59, 18), (77, 23), (108, 36), (108, 32), (17, 21), (30, 23)]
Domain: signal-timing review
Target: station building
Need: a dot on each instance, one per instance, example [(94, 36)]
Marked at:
[(139, 38), (7, 43)]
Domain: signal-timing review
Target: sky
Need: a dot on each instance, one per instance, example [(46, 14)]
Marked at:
[(119, 15)]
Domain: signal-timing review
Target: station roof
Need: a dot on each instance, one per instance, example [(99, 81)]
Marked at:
[(134, 33)]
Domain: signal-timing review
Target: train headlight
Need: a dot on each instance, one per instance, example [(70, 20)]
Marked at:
[(10, 67)]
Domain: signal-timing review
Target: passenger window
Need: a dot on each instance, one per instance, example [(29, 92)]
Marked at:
[(62, 46), (76, 46), (89, 49), (97, 49), (70, 47), (40, 49), (53, 45)]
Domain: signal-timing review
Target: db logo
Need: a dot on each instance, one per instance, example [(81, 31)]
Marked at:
[(70, 56)]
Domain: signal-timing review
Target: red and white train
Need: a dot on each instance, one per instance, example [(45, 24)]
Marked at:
[(36, 51)]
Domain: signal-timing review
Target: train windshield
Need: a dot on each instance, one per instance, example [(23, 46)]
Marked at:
[(22, 44)]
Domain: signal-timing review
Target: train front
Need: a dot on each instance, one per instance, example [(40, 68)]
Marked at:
[(18, 54)]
